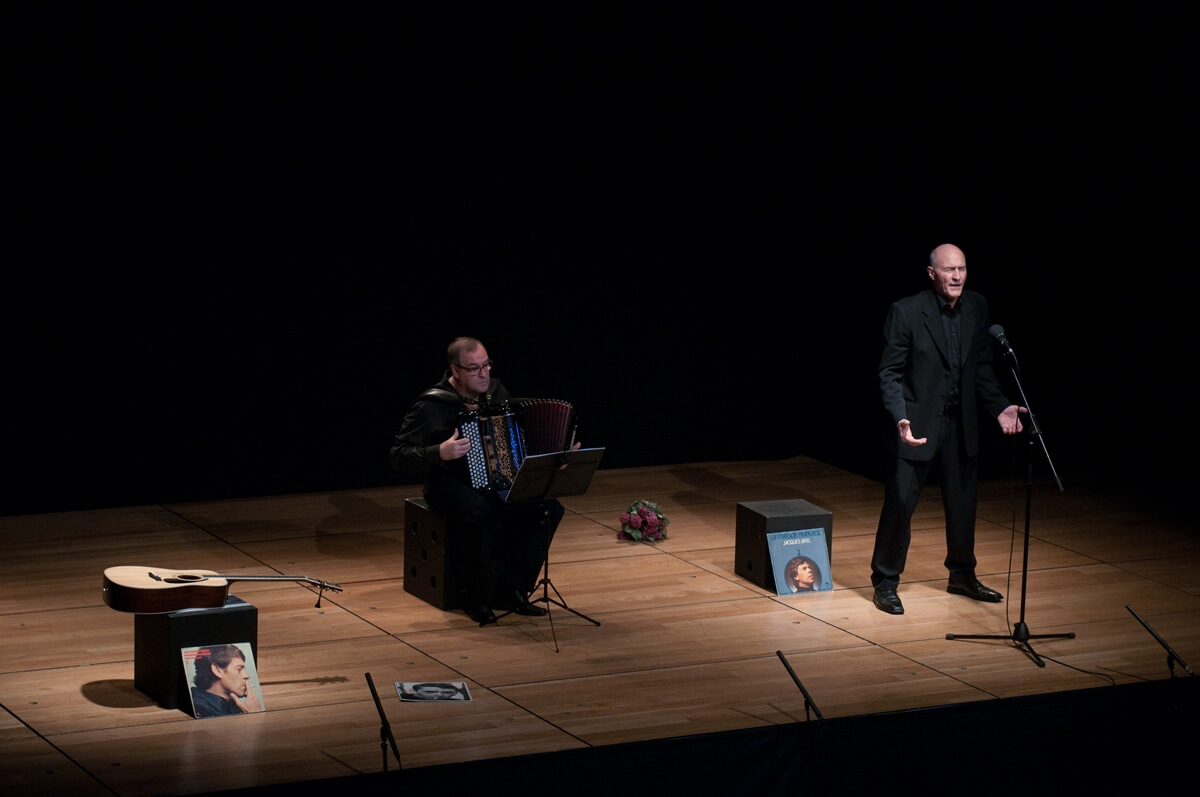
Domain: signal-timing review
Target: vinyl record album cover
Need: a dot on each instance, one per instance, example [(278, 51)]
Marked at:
[(800, 560), (222, 680)]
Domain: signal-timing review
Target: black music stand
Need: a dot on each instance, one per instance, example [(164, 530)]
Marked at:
[(544, 476), (1020, 634), (551, 475), (385, 728)]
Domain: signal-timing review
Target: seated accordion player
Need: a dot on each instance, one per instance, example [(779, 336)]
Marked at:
[(502, 435)]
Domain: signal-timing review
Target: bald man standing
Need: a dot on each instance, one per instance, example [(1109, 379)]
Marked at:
[(936, 378)]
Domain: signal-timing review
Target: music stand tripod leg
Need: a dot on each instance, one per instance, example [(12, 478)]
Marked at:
[(546, 584)]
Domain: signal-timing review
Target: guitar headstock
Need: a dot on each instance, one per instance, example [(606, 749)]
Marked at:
[(323, 585)]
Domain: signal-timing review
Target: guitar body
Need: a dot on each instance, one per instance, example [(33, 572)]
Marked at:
[(148, 590)]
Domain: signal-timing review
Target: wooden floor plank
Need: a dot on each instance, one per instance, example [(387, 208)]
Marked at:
[(684, 645)]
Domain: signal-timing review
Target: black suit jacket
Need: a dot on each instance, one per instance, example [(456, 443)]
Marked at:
[(914, 371)]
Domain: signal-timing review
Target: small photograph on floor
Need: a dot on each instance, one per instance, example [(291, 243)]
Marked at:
[(425, 691)]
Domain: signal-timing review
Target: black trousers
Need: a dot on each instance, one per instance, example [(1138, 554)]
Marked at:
[(958, 475), (496, 549)]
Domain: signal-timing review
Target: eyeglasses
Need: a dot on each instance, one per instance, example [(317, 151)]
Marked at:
[(474, 369)]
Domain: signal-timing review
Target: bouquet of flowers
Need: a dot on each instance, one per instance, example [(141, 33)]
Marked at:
[(643, 520)]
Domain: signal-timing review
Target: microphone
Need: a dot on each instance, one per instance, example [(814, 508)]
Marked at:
[(997, 332)]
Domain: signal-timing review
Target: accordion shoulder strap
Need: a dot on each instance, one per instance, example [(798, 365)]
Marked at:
[(442, 394)]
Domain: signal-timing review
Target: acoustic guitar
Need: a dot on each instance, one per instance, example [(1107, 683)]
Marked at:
[(149, 590)]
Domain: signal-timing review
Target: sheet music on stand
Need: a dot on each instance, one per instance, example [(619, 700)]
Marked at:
[(552, 475)]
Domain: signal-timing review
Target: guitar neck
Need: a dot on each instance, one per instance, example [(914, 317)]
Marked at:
[(314, 582), (230, 577)]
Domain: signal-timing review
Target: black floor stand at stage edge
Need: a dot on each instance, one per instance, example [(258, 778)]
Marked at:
[(386, 739), (1020, 634), (1172, 656), (810, 707)]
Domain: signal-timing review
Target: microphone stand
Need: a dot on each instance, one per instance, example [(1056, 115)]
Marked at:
[(1020, 634)]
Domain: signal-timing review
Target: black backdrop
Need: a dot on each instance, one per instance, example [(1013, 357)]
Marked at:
[(241, 235)]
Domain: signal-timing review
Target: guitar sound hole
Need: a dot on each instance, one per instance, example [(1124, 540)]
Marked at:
[(183, 578)]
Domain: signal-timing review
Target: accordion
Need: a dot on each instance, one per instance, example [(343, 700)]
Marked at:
[(503, 435)]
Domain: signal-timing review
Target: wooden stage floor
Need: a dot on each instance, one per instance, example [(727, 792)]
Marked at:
[(685, 646)]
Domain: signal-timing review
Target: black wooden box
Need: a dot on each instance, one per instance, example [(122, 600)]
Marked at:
[(757, 519)]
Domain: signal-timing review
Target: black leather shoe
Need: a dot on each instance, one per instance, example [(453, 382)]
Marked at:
[(886, 600), (520, 604), (529, 609), (976, 591), (483, 615)]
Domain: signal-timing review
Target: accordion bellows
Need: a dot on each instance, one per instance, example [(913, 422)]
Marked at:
[(502, 436)]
